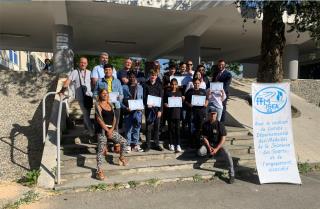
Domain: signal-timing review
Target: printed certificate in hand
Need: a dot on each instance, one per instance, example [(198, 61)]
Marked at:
[(216, 86), (175, 101), (197, 100), (136, 104), (113, 97), (179, 79), (154, 101)]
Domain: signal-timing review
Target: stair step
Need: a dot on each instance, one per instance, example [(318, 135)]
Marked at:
[(84, 148), (134, 167), (147, 178)]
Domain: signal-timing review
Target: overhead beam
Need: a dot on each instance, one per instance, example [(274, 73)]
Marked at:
[(195, 28)]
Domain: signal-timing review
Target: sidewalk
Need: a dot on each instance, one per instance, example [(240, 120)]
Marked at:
[(305, 128)]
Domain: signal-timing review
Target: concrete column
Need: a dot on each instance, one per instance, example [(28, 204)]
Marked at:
[(192, 49), (291, 61), (62, 48)]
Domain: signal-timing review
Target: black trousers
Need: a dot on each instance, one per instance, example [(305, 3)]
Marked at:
[(174, 131), (152, 132), (223, 116), (198, 118)]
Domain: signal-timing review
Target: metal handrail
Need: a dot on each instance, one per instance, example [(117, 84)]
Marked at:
[(58, 174), (62, 100)]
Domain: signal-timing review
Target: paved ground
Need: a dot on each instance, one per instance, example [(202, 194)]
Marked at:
[(305, 128), (216, 194)]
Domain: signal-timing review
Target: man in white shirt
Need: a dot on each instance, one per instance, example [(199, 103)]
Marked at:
[(80, 79), (98, 71)]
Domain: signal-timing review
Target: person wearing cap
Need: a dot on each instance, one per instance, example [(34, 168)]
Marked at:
[(212, 139)]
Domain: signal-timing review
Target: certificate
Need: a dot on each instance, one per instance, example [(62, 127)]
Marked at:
[(175, 101), (197, 100), (154, 101), (216, 86), (135, 104), (113, 97), (179, 79)]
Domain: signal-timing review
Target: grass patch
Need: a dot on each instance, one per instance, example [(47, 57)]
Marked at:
[(27, 198), (153, 182), (304, 168), (197, 178), (133, 184), (116, 185), (98, 187), (31, 178)]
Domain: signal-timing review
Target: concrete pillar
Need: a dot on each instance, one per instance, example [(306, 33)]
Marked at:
[(192, 49), (62, 48), (291, 61)]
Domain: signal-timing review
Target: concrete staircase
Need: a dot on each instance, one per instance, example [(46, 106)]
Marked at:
[(79, 160)]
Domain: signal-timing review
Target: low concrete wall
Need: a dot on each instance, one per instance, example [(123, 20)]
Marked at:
[(308, 89)]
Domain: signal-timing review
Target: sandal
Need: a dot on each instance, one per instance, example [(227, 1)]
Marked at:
[(123, 161), (100, 175)]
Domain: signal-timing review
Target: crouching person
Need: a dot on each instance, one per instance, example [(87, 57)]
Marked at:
[(213, 137), (106, 130), (132, 118)]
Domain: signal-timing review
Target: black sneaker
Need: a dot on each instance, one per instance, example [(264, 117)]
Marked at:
[(147, 149), (158, 148), (231, 180)]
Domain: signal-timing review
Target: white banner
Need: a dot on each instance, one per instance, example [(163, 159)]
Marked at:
[(272, 133)]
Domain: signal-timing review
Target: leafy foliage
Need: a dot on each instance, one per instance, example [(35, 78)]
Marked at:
[(31, 178), (27, 198)]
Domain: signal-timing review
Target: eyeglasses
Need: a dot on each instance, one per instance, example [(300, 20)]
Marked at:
[(189, 64)]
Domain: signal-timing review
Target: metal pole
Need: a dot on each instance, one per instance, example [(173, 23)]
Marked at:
[(58, 140), (44, 115)]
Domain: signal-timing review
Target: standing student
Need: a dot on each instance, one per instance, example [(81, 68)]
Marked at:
[(106, 130), (132, 118), (198, 113), (224, 76), (153, 114), (216, 99), (173, 114)]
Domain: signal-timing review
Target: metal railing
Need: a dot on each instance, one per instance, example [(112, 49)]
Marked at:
[(58, 133)]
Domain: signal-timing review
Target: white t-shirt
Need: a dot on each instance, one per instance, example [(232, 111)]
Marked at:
[(190, 86), (85, 81)]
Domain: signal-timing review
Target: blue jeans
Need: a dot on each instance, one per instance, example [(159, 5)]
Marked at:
[(131, 130)]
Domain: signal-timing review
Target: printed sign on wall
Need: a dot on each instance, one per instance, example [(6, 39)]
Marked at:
[(272, 133)]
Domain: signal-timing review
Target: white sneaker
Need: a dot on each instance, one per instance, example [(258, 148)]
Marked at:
[(137, 148), (171, 147), (128, 149), (178, 148)]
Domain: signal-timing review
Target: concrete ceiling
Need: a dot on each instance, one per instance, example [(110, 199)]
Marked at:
[(146, 32)]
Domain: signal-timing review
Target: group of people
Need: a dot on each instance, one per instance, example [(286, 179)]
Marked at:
[(172, 98)]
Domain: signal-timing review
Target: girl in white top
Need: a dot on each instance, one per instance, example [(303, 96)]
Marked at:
[(197, 74), (215, 99)]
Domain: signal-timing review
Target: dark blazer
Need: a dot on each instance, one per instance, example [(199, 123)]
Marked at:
[(225, 78)]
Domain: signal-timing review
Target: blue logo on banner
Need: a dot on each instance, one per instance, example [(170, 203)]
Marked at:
[(270, 100)]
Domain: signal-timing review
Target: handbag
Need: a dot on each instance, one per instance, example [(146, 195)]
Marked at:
[(87, 100)]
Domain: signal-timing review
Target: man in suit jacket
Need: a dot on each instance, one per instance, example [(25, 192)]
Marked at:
[(224, 76)]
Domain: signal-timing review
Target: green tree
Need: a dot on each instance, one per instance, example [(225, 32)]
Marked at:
[(307, 18)]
